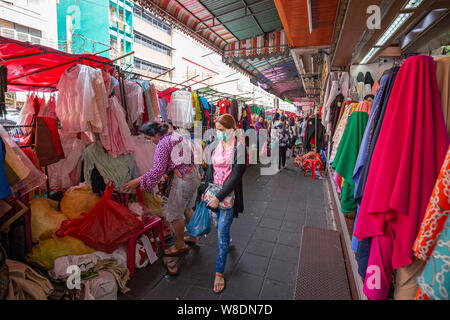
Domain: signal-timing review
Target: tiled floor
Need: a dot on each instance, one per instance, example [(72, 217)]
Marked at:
[(262, 262)]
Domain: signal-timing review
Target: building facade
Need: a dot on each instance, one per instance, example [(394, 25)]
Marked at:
[(152, 45), (33, 21), (95, 26)]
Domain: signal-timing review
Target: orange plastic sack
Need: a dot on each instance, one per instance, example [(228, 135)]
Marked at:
[(106, 227), (78, 200)]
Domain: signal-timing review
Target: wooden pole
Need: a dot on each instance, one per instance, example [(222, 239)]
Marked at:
[(124, 56), (217, 84), (160, 75)]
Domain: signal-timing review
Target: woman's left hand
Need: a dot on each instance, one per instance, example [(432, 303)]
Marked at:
[(214, 203), (132, 185)]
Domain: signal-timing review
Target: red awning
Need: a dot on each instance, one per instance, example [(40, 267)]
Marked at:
[(35, 66)]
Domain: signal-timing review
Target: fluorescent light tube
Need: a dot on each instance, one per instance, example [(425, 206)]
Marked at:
[(398, 22), (369, 55), (413, 4)]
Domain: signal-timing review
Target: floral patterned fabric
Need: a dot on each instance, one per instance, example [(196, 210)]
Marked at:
[(433, 240), (436, 214), (434, 283)]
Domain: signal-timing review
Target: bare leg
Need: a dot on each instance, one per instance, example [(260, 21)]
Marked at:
[(188, 214), (178, 227)]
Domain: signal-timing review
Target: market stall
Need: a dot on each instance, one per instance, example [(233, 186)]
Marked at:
[(63, 168)]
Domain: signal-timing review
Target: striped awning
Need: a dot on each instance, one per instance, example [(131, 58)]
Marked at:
[(275, 43)]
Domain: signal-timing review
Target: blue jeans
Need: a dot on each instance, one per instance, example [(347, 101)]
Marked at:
[(222, 221)]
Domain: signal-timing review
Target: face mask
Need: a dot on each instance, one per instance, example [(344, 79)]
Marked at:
[(222, 136)]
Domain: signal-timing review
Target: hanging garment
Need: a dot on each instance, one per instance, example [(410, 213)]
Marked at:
[(435, 280), (51, 108), (332, 76), (155, 100), (335, 109), (118, 141), (143, 156), (60, 174), (340, 131), (375, 88), (344, 83), (163, 108), (310, 134), (375, 130), (118, 170), (47, 142), (334, 92), (403, 171), (148, 101), (368, 79), (86, 110), (443, 78), (5, 190), (196, 102), (436, 215), (360, 87), (364, 106), (27, 112), (362, 157), (180, 109), (135, 102), (360, 77), (224, 106), (346, 156), (234, 110), (433, 236)]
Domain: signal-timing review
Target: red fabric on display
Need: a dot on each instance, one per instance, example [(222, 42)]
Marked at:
[(23, 58), (167, 94), (406, 162), (53, 127)]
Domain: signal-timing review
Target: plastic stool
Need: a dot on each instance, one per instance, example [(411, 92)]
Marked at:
[(155, 222), (311, 164)]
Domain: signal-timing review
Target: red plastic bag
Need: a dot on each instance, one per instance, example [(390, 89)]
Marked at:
[(106, 227)]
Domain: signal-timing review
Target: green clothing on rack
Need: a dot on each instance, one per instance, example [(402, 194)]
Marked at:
[(118, 170), (346, 157)]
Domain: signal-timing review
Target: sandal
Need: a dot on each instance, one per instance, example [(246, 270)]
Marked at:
[(171, 265), (191, 240), (174, 251), (219, 283)]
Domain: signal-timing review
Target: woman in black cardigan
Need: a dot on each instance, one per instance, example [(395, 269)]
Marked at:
[(228, 174)]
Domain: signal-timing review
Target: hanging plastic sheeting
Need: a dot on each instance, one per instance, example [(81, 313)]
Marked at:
[(34, 66), (22, 174)]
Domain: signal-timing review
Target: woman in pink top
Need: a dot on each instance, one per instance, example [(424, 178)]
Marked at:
[(226, 168)]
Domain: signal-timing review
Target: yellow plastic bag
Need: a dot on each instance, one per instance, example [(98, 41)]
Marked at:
[(78, 200), (154, 203), (45, 218), (45, 253)]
